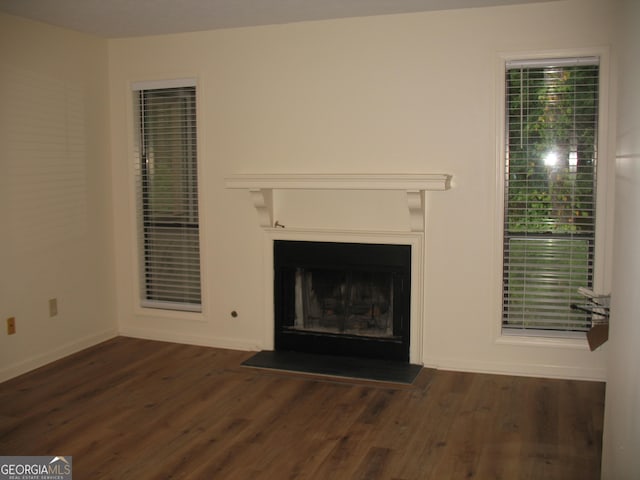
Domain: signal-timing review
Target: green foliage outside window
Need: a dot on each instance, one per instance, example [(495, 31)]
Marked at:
[(551, 112)]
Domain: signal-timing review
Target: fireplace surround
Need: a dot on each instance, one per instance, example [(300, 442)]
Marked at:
[(269, 195)]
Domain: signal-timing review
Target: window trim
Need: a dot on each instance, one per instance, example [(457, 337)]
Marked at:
[(143, 306), (604, 197)]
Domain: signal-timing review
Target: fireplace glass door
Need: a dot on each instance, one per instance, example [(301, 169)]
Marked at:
[(344, 302)]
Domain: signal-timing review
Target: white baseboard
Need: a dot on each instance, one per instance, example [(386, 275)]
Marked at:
[(42, 359), (529, 370), (215, 342), (521, 370)]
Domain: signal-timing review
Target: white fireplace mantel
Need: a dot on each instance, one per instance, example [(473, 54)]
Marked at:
[(261, 187)]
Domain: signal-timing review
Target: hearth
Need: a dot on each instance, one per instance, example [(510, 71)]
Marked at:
[(349, 299)]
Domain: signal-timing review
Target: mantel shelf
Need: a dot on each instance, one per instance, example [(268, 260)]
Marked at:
[(261, 187), (421, 181)]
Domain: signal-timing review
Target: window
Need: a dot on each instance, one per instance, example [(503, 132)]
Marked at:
[(550, 192), (167, 191)]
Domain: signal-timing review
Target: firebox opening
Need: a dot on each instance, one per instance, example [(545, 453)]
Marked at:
[(348, 299)]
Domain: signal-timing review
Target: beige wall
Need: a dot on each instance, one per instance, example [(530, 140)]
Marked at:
[(388, 94), (55, 192), (622, 416)]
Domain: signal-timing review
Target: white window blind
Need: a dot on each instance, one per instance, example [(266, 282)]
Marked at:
[(550, 192), (167, 191)]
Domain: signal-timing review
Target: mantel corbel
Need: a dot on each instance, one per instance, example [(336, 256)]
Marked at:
[(263, 203), (415, 202)]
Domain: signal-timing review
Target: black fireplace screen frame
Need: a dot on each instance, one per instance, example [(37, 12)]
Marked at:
[(392, 259)]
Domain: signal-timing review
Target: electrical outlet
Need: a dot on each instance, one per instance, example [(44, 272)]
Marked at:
[(11, 325), (53, 307)]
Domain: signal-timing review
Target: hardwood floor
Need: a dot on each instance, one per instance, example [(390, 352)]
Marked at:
[(139, 409)]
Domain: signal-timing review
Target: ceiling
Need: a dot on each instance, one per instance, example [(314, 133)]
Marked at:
[(128, 18)]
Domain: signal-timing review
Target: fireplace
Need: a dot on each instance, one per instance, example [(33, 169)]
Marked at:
[(350, 299), (286, 217)]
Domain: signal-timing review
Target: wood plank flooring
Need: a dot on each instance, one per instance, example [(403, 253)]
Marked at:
[(140, 409)]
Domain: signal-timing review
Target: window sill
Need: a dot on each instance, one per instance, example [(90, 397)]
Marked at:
[(542, 338), (170, 314)]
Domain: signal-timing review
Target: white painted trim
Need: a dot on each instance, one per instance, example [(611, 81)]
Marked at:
[(540, 370), (141, 310), (398, 181), (604, 188), (555, 62), (156, 84), (263, 203), (565, 340), (416, 240), (261, 187), (203, 341), (45, 358), (139, 306)]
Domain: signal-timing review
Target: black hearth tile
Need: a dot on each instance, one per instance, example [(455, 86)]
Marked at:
[(336, 366)]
